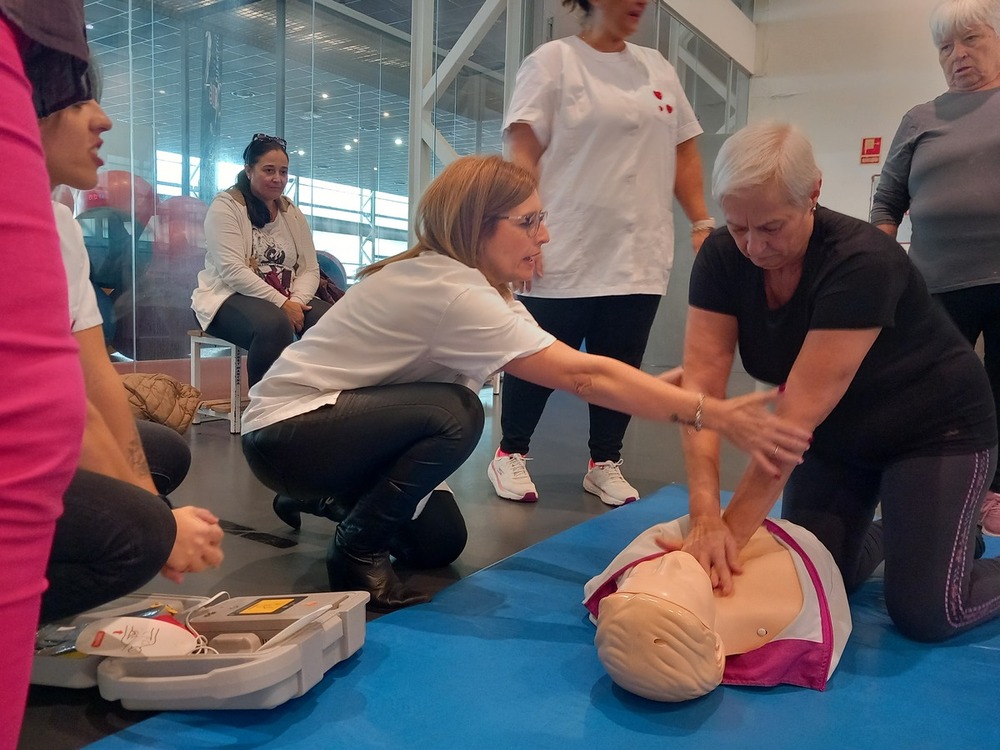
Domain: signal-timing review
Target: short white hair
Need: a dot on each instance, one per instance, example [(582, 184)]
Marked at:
[(950, 16), (767, 154)]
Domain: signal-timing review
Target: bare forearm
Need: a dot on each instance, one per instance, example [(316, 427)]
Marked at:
[(701, 460), (107, 395), (100, 453), (755, 495), (689, 186), (117, 415), (523, 148), (615, 385)]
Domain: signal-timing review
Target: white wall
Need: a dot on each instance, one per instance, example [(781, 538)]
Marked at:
[(843, 71), (723, 23)]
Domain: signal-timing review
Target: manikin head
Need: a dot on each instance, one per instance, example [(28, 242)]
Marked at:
[(656, 635)]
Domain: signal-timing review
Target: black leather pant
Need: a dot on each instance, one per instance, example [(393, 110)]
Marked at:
[(370, 458)]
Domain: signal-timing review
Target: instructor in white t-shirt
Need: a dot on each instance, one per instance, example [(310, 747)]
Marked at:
[(377, 404), (606, 128)]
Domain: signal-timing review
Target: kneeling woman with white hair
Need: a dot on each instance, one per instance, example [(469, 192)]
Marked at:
[(900, 404)]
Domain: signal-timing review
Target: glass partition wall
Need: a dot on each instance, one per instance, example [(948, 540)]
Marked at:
[(188, 82)]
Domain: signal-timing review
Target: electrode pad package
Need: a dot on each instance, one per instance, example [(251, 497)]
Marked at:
[(245, 652), (59, 664)]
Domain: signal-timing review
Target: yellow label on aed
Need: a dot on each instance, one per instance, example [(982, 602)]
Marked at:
[(266, 606)]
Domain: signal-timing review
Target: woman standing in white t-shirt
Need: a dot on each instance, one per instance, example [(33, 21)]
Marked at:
[(606, 128), (378, 403)]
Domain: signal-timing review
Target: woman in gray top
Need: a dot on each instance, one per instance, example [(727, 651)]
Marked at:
[(944, 167)]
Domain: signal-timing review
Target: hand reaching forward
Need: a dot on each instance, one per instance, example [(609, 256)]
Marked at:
[(198, 544), (749, 425)]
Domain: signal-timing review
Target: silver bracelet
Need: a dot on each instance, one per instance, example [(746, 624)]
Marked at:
[(703, 225), (698, 413)]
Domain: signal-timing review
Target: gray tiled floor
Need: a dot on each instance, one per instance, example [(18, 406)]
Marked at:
[(58, 719)]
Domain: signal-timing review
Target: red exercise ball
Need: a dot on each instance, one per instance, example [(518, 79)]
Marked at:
[(114, 190), (179, 226)]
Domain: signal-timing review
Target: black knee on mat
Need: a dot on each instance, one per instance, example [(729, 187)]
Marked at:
[(435, 538)]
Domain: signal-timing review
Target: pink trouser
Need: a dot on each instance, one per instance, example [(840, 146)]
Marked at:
[(42, 398)]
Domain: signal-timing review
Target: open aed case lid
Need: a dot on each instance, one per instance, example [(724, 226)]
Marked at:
[(257, 679)]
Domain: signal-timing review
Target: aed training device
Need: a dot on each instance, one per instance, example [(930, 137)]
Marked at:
[(266, 616), (260, 651)]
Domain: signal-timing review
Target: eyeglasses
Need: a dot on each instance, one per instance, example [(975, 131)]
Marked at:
[(528, 222), (265, 138)]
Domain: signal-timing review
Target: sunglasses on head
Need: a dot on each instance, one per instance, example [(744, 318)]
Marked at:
[(265, 138)]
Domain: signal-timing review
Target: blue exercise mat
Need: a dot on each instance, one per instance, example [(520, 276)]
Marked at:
[(505, 659)]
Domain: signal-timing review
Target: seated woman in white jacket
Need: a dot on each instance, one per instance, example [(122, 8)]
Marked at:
[(261, 273)]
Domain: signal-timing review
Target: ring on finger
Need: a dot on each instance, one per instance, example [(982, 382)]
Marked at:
[(775, 451)]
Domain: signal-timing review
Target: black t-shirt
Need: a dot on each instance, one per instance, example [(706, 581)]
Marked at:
[(920, 389)]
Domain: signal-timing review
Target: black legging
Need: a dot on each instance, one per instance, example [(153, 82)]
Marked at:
[(976, 311), (260, 327), (930, 504), (114, 537), (617, 327), (375, 454)]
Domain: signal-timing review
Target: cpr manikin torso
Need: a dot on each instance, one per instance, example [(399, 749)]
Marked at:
[(767, 598), (664, 634)]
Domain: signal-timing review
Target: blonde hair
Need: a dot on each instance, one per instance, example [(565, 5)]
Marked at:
[(767, 154), (657, 649), (460, 209), (952, 15)]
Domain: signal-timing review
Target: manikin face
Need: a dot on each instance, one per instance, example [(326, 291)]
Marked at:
[(618, 18), (767, 229), (656, 634), (269, 176), (676, 577), (970, 58), (71, 139), (509, 255)]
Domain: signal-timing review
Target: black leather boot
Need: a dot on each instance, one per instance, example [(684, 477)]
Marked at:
[(372, 573), (290, 510), (358, 557)]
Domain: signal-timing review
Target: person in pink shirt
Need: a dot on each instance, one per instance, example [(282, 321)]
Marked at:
[(42, 402)]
